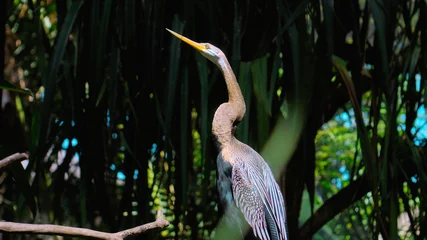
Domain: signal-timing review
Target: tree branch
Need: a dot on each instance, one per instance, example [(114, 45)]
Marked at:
[(49, 229), (336, 204), (17, 157)]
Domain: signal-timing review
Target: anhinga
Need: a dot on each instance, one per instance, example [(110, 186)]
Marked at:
[(243, 175)]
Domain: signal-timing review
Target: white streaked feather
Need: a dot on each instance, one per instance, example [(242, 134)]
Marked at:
[(255, 189), (249, 202)]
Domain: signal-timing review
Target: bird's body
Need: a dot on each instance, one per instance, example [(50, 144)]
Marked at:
[(245, 181), (249, 185)]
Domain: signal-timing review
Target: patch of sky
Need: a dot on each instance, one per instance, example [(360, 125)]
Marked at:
[(403, 117), (348, 142), (344, 117), (398, 44), (337, 182), (417, 82), (345, 174), (113, 167), (135, 174), (153, 148), (65, 144), (414, 179), (108, 118), (420, 125), (121, 176)]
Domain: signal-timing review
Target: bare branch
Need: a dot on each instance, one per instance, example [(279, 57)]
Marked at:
[(49, 229), (160, 223), (17, 157)]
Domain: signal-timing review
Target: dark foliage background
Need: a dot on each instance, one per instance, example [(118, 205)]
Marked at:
[(119, 122)]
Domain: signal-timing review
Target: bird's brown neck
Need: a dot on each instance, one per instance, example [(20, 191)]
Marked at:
[(231, 111)]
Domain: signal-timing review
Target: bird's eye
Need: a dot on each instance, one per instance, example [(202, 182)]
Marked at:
[(207, 46)]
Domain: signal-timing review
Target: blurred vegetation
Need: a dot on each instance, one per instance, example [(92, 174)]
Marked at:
[(118, 121)]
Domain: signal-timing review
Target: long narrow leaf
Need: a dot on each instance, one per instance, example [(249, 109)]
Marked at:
[(58, 54), (379, 16), (244, 80), (184, 136), (338, 63), (259, 77), (100, 47), (174, 57), (9, 86), (21, 178), (202, 66)]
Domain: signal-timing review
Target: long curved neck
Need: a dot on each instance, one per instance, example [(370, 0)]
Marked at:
[(231, 111), (235, 96)]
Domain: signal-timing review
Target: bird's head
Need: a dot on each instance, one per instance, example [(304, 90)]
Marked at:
[(208, 50)]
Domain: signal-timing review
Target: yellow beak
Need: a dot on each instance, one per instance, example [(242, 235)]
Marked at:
[(196, 45)]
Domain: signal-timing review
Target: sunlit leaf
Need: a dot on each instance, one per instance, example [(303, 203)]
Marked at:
[(8, 86)]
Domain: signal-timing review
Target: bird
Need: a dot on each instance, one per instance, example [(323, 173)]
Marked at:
[(244, 180)]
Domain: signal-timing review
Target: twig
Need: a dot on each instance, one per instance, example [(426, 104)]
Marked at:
[(17, 157), (49, 229), (160, 223)]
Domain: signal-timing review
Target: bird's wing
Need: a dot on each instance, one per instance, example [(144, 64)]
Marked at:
[(249, 201), (277, 204), (258, 196)]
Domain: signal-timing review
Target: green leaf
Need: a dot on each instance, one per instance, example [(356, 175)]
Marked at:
[(377, 8), (274, 72), (245, 84), (184, 136), (367, 150), (202, 66), (366, 145), (69, 77), (10, 87), (237, 38), (414, 61), (292, 17), (259, 77), (58, 53), (35, 128), (101, 93), (102, 33), (114, 76), (21, 178), (174, 57), (329, 16)]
